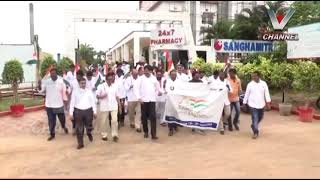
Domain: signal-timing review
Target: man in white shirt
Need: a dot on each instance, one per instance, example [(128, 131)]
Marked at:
[(108, 95), (149, 89), (55, 92), (161, 99), (257, 97), (83, 107), (119, 80), (170, 85), (181, 75), (203, 78), (131, 87), (222, 83), (74, 87), (214, 77)]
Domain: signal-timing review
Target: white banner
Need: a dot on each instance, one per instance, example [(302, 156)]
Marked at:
[(241, 46), (195, 105), (308, 45), (167, 36)]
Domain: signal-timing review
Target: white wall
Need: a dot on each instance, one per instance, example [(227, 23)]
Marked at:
[(23, 53)]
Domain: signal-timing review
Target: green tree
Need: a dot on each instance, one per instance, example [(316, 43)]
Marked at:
[(221, 30), (13, 74), (64, 65), (46, 63), (86, 53), (306, 12)]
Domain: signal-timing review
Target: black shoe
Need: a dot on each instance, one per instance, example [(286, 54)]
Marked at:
[(230, 128), (105, 138), (132, 126), (236, 127), (163, 124), (115, 139), (155, 138), (255, 136), (51, 138), (146, 136), (222, 132), (80, 146), (66, 130), (138, 130), (90, 137), (170, 133)]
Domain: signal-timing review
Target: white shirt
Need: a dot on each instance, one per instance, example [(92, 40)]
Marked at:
[(133, 92), (148, 88), (70, 77), (55, 92), (82, 99), (211, 79), (183, 77), (218, 84), (108, 103), (257, 94), (204, 80), (171, 85), (161, 98), (120, 83)]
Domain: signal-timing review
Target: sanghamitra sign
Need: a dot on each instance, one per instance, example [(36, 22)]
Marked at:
[(167, 36)]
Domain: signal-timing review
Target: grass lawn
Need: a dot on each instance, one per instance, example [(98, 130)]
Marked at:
[(28, 102)]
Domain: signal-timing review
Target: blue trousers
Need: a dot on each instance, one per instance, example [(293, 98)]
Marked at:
[(257, 116)]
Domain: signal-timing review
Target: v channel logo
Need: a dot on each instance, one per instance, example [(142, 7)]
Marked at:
[(278, 20)]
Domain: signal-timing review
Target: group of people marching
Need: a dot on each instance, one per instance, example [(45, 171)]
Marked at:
[(141, 93)]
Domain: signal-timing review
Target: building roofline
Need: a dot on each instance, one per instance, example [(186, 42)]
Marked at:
[(16, 44), (126, 37)]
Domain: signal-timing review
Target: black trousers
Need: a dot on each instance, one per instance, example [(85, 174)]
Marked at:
[(148, 111), (121, 115), (83, 119), (52, 118)]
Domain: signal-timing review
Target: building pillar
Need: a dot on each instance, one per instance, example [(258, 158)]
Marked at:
[(126, 52), (113, 56), (136, 50)]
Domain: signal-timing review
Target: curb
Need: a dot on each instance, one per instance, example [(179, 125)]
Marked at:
[(294, 111), (29, 109)]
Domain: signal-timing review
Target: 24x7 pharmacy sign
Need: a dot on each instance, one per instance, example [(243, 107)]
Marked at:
[(241, 46)]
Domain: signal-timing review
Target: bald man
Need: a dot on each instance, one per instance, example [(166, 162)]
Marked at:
[(133, 103)]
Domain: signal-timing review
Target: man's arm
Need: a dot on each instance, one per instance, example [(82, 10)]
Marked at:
[(267, 96), (72, 103), (247, 94), (93, 105)]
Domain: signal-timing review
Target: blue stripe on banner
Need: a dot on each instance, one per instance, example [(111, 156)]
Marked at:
[(191, 123)]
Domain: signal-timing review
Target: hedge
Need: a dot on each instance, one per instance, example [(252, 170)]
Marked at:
[(298, 75)]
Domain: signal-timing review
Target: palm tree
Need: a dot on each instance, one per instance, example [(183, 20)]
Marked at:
[(221, 30), (250, 24), (86, 53)]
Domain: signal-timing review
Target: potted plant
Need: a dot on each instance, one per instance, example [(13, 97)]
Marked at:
[(13, 74), (282, 77), (306, 80)]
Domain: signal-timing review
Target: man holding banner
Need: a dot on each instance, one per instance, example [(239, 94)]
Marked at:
[(170, 86)]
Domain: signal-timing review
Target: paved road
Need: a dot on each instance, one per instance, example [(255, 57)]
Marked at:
[(287, 148)]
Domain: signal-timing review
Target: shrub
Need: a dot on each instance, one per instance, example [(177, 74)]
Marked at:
[(306, 76), (46, 63), (13, 74)]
